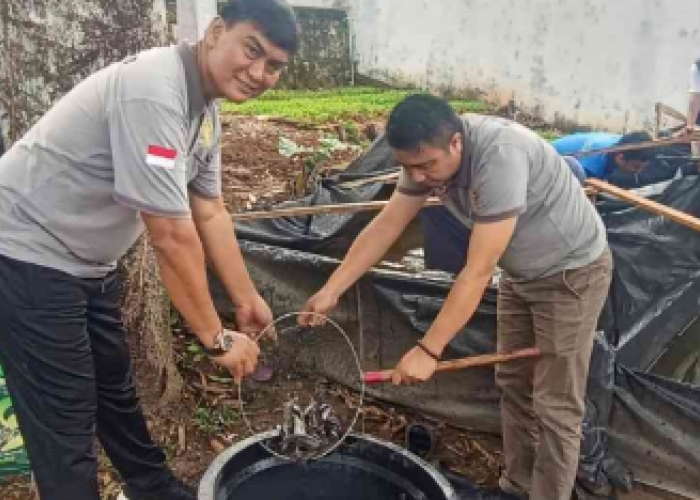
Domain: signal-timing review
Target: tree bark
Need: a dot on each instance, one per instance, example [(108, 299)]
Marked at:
[(147, 316)]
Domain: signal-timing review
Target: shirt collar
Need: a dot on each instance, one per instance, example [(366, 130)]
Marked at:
[(195, 88)]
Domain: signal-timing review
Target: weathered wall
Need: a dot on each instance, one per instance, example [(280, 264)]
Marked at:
[(47, 46), (323, 59), (593, 62)]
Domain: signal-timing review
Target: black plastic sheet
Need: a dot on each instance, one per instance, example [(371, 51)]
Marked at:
[(656, 281), (636, 420)]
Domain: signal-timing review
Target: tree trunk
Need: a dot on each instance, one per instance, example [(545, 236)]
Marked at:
[(147, 319)]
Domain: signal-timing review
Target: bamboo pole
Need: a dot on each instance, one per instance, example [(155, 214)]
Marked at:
[(593, 186), (341, 208), (646, 204), (695, 136)]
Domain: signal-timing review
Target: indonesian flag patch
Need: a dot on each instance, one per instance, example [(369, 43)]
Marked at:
[(159, 156)]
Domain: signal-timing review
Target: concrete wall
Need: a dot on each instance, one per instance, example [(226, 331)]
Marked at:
[(324, 58), (599, 63), (47, 46)]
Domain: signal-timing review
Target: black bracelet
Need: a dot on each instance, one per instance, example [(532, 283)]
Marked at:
[(428, 351)]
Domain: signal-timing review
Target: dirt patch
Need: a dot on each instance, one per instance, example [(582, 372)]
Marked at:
[(215, 421), (255, 175)]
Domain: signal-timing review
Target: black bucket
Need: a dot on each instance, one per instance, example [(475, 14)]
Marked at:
[(362, 468)]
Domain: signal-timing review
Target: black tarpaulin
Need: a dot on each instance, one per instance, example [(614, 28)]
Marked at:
[(649, 423)]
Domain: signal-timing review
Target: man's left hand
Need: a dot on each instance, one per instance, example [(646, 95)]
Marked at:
[(253, 316), (415, 366)]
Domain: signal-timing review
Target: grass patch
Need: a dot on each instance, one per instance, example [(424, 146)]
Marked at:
[(549, 134), (334, 105)]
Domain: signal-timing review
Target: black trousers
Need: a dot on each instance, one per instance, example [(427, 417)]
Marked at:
[(67, 365)]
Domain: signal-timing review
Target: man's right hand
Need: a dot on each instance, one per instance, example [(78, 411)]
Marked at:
[(242, 359), (321, 304)]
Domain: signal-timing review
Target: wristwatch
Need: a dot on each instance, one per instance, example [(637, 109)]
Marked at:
[(223, 343)]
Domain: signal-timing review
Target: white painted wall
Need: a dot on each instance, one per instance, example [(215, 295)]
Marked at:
[(602, 63)]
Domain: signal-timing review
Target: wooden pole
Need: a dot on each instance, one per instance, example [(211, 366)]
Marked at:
[(341, 208), (663, 109), (389, 178), (462, 363), (695, 136), (646, 204)]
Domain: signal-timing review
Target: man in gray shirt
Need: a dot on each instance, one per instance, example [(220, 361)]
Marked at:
[(528, 214), (135, 146)]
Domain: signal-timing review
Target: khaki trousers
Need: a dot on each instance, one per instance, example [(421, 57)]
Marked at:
[(542, 403)]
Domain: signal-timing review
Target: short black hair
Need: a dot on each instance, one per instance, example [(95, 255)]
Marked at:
[(422, 119), (275, 18), (646, 154)]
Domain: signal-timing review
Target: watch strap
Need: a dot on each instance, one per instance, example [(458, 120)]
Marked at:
[(212, 351), (218, 349)]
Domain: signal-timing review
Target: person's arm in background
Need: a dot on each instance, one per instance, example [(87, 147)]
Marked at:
[(367, 249)]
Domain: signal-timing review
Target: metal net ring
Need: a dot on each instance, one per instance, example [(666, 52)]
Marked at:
[(355, 417)]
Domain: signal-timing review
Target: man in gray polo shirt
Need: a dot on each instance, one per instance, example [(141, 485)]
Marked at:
[(528, 214), (134, 146)]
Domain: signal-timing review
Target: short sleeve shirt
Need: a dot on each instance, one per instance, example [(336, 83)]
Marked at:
[(137, 136), (508, 171), (595, 165)]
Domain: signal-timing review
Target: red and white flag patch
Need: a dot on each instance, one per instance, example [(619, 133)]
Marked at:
[(159, 156)]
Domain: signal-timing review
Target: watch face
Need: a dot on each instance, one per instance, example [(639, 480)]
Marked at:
[(226, 341)]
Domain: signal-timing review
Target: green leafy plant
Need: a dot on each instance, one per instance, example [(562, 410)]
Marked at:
[(352, 133), (195, 351), (549, 134), (214, 420), (333, 105), (313, 157)]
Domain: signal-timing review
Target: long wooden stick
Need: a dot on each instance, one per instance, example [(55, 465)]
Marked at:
[(695, 136), (389, 178), (462, 363), (649, 205), (341, 208)]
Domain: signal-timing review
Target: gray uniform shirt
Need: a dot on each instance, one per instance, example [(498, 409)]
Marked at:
[(509, 171), (137, 136)]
